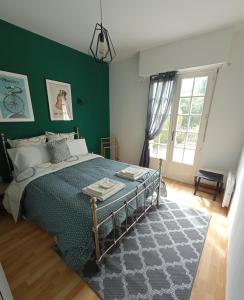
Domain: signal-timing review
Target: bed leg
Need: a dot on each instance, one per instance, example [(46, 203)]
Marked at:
[(159, 184), (95, 228)]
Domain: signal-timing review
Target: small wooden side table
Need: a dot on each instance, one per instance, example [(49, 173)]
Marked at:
[(209, 176)]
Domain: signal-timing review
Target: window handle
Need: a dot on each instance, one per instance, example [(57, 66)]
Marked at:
[(173, 135)]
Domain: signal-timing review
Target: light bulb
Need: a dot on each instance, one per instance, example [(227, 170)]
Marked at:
[(102, 45), (102, 49)]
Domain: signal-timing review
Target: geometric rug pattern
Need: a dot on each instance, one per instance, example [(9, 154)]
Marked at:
[(157, 260)]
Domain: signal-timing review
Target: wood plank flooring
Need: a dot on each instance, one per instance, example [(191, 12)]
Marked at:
[(35, 271)]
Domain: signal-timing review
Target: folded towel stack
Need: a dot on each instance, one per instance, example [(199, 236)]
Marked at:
[(103, 189), (132, 173)]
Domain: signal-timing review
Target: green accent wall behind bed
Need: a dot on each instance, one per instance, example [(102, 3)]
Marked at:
[(39, 58)]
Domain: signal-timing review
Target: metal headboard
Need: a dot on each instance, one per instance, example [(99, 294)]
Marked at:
[(5, 146)]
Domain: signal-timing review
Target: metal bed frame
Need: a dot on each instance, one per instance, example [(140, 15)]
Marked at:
[(152, 183)]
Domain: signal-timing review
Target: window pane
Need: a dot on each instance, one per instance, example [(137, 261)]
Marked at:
[(186, 87), (163, 139), (162, 151), (182, 123), (184, 106), (153, 149), (200, 86), (178, 155), (191, 141), (166, 123), (155, 140), (189, 157), (197, 105), (180, 139), (194, 123)]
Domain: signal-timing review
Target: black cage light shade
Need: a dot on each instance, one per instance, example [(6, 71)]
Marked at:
[(101, 46)]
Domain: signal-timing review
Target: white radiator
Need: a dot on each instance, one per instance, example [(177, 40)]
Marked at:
[(229, 189)]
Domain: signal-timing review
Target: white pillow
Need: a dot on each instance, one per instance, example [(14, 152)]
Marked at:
[(77, 147), (51, 136), (29, 156), (36, 140)]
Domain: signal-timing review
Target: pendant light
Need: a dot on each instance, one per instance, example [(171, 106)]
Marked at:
[(101, 46)]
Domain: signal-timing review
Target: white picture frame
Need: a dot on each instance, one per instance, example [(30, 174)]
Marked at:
[(59, 100), (15, 99)]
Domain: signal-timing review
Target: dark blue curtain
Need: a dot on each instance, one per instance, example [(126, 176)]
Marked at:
[(160, 97)]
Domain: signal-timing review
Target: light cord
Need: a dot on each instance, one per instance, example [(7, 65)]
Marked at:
[(101, 12)]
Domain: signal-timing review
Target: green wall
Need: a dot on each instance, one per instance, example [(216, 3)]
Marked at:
[(39, 58)]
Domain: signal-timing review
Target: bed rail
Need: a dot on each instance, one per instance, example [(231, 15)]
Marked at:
[(151, 183)]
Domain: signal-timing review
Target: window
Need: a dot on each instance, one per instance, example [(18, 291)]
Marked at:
[(189, 115), (187, 120)]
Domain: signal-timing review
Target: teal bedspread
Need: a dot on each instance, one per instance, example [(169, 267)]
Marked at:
[(55, 202)]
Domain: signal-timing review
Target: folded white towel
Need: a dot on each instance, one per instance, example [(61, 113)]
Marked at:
[(132, 173), (103, 189)]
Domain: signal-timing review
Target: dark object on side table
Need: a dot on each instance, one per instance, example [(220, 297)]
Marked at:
[(209, 176)]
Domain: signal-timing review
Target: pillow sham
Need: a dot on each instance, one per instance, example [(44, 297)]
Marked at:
[(59, 151), (28, 156), (77, 147), (51, 136), (36, 140)]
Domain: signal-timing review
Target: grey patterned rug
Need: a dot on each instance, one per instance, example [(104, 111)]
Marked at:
[(157, 260)]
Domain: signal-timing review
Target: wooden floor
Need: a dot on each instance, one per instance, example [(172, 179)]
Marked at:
[(34, 271)]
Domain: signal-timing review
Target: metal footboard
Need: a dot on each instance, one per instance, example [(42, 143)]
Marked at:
[(152, 184)]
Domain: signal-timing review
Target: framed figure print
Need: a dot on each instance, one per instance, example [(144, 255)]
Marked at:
[(60, 100), (15, 100)]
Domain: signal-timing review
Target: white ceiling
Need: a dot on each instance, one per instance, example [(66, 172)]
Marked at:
[(133, 24)]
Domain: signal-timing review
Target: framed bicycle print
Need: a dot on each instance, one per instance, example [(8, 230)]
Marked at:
[(59, 100), (15, 100)]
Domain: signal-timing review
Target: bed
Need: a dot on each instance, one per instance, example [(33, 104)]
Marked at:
[(52, 198)]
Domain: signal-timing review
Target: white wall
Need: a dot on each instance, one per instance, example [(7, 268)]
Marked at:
[(235, 261), (128, 105), (202, 50), (225, 133)]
